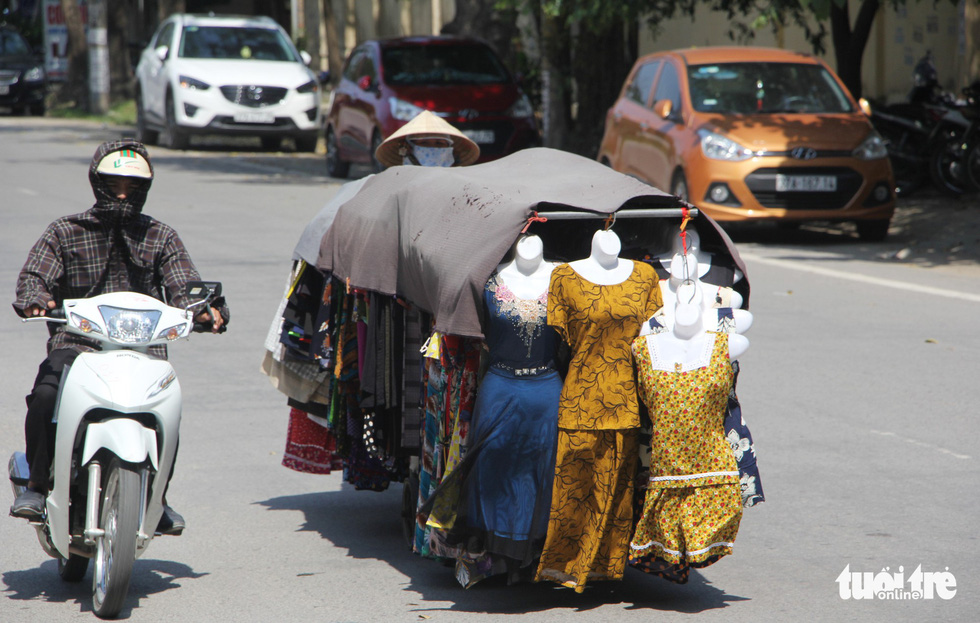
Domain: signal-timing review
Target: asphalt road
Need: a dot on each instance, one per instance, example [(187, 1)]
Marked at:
[(857, 387)]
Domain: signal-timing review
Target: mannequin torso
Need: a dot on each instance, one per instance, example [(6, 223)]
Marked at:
[(603, 266), (527, 275)]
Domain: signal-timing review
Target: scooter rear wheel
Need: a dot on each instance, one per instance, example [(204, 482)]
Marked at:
[(116, 548)]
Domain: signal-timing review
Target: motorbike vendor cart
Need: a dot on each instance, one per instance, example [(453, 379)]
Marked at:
[(416, 246)]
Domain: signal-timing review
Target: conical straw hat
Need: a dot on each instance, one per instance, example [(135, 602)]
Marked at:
[(390, 152)]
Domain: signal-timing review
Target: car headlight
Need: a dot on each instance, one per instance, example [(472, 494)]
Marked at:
[(187, 82), (873, 148), (309, 87), (718, 147), (522, 108), (402, 110), (129, 326), (34, 74)]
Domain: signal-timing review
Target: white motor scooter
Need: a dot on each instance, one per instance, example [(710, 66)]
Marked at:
[(118, 416)]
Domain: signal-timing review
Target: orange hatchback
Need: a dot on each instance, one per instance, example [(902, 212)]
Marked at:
[(751, 134)]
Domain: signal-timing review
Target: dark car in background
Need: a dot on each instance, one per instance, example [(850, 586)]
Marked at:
[(387, 82), (22, 80)]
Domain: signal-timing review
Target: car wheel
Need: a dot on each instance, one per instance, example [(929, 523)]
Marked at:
[(335, 166), (271, 143), (873, 231), (176, 138), (376, 141), (306, 143), (678, 187), (143, 133), (37, 110)]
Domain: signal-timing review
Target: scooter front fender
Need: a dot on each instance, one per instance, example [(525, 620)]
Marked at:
[(128, 439)]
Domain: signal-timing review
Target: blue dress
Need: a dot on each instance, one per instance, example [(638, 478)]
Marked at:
[(497, 500)]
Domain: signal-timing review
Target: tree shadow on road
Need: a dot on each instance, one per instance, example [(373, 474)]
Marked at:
[(368, 526), (928, 230)]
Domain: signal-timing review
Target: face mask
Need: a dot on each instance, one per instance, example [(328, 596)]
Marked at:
[(433, 156)]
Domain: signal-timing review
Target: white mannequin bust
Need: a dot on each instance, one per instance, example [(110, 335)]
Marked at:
[(603, 266), (682, 288), (688, 345), (528, 275), (693, 242)]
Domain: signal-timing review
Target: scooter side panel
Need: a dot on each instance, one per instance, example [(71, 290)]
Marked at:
[(122, 381)]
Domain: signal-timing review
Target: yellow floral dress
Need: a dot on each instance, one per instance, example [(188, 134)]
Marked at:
[(693, 505), (598, 418)]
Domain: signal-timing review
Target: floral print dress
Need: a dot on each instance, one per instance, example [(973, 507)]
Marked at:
[(693, 504)]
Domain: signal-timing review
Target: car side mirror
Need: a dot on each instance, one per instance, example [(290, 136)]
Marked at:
[(162, 52), (665, 110), (307, 59), (865, 106)]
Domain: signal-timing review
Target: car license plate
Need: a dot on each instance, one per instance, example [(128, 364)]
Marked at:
[(254, 117), (480, 137), (4, 89), (806, 183)]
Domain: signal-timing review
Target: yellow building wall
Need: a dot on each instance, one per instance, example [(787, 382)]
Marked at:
[(898, 40)]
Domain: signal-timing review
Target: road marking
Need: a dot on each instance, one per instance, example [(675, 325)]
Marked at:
[(28, 191), (923, 444), (888, 283)]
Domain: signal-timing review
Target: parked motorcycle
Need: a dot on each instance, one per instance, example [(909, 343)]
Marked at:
[(969, 143), (951, 145), (118, 419), (914, 129)]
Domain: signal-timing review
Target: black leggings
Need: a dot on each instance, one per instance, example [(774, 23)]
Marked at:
[(39, 430)]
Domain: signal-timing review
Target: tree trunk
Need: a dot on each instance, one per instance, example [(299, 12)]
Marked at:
[(849, 44), (166, 8), (555, 82), (335, 54), (479, 18), (120, 59), (76, 82), (599, 76)]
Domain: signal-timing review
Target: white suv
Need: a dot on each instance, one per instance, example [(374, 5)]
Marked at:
[(205, 74)]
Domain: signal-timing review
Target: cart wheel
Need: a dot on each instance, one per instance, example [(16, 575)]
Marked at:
[(410, 504)]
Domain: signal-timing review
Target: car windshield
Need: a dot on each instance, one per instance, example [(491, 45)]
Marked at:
[(765, 88), (234, 43), (12, 44), (441, 64)]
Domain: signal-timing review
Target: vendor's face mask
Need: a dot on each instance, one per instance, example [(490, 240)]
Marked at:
[(433, 156)]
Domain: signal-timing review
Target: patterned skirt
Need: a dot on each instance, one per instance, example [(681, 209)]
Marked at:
[(591, 507)]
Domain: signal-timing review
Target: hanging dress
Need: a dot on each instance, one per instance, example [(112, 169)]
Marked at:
[(497, 500), (598, 418), (693, 504)]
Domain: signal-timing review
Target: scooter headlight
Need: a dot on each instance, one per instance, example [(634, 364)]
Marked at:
[(129, 326)]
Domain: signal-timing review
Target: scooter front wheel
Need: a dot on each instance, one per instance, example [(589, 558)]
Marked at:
[(116, 548)]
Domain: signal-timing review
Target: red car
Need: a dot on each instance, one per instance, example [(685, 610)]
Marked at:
[(387, 82)]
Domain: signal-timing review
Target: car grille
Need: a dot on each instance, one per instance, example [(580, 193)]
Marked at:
[(762, 183), (8, 77), (253, 96)]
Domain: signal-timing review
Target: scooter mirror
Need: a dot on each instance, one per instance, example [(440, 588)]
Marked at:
[(201, 290)]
